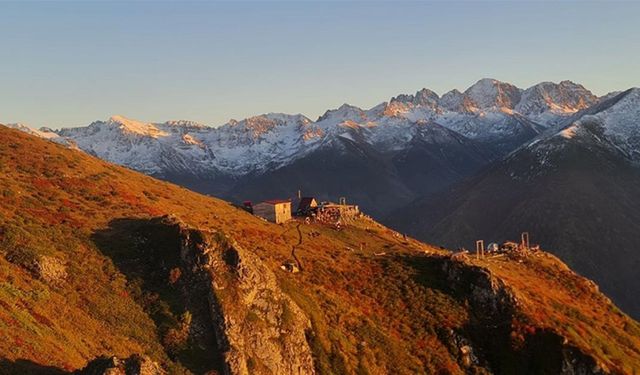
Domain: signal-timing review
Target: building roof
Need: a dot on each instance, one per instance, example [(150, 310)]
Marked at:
[(277, 201), (305, 203)]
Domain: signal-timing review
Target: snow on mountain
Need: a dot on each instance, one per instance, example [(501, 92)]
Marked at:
[(548, 102), (490, 111), (620, 123), (485, 95), (135, 127), (610, 127), (141, 146), (493, 111), (610, 95), (484, 112), (42, 132), (259, 129), (388, 126), (261, 142), (489, 126), (489, 93), (453, 101), (569, 132), (185, 147), (184, 124), (617, 120), (423, 98)]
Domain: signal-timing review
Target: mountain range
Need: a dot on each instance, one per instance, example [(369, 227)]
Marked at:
[(401, 149), (489, 162)]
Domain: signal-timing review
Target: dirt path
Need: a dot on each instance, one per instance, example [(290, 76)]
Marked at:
[(293, 247)]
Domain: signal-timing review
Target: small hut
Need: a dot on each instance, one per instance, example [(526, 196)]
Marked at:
[(307, 206), (276, 210)]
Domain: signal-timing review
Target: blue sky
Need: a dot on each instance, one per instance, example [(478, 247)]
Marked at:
[(70, 63)]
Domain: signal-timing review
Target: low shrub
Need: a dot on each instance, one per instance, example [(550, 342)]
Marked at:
[(24, 257)]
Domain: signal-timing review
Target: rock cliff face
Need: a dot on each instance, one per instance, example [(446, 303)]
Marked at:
[(497, 330), (134, 365), (259, 329)]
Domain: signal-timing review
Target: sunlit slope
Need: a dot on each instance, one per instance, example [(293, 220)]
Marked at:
[(376, 302)]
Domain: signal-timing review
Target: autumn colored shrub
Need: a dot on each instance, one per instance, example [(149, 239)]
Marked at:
[(23, 256)]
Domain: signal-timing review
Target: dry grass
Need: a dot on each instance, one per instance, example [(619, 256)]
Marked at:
[(370, 313), (556, 298)]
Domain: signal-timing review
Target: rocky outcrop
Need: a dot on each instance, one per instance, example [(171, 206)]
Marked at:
[(491, 328), (259, 329), (50, 269), (134, 365), (484, 292), (44, 267)]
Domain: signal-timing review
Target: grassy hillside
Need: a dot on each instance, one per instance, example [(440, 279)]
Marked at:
[(377, 302), (583, 206)]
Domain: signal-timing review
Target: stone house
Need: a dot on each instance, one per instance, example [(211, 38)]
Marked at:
[(276, 210)]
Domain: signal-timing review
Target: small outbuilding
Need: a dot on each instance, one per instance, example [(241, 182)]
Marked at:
[(276, 210), (307, 206)]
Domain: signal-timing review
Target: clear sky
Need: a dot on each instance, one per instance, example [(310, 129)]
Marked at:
[(68, 64)]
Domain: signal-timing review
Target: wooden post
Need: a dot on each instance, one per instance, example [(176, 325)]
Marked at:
[(525, 240), (479, 249)]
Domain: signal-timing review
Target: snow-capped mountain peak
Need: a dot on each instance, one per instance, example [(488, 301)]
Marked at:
[(257, 128), (547, 101), (424, 97), (453, 101), (344, 112), (489, 93), (611, 127), (184, 124), (134, 126), (621, 123), (618, 118), (42, 132)]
